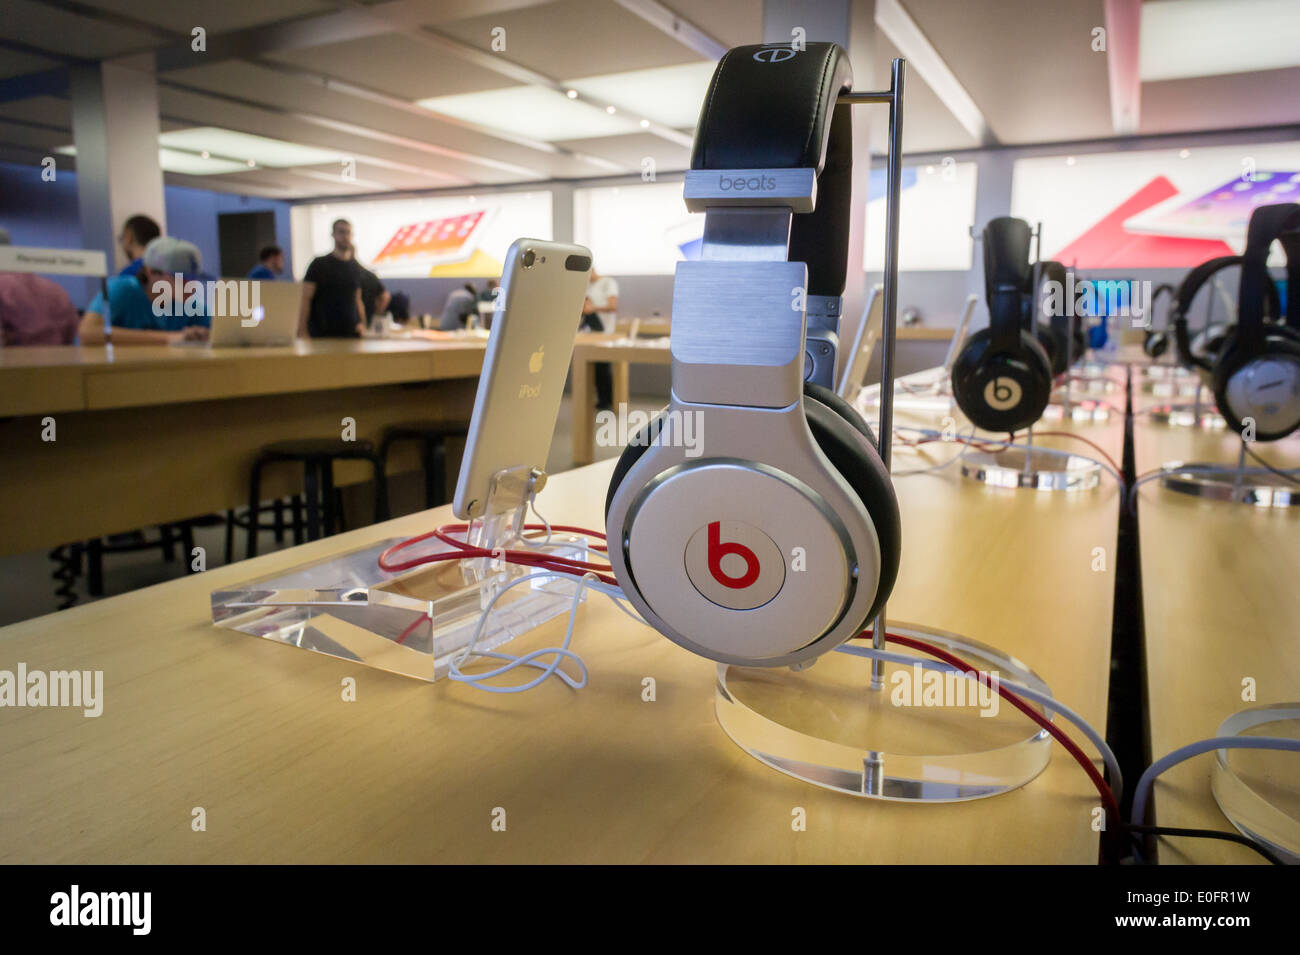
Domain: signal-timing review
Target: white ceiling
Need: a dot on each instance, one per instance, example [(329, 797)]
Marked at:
[(346, 76)]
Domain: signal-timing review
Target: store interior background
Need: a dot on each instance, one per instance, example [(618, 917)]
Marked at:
[(990, 83)]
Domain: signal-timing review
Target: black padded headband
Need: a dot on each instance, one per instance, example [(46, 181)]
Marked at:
[(1008, 278), (1191, 284), (771, 107), (1267, 223)]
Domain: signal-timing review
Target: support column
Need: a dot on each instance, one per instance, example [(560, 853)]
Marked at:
[(115, 130)]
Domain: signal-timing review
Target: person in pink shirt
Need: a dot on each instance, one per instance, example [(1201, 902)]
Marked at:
[(34, 310)]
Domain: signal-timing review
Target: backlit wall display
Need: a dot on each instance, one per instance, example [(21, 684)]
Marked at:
[(453, 236), (936, 212), (1166, 208), (641, 229)]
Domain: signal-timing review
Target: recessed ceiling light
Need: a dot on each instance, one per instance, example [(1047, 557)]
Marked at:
[(531, 111), (645, 124), (611, 110), (929, 170), (252, 163), (572, 94), (204, 154), (1070, 160), (262, 150), (1184, 153), (668, 95), (1185, 38)]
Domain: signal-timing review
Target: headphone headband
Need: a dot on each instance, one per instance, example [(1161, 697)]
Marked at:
[(773, 108), (1191, 284), (1008, 278), (1267, 223)]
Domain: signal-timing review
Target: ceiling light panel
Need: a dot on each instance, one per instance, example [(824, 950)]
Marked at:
[(532, 111), (1186, 38), (260, 149), (668, 95)]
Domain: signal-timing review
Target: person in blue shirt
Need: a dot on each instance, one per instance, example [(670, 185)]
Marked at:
[(137, 232), (270, 264), (152, 308)]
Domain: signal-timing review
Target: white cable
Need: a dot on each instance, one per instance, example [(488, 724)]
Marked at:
[(477, 680), (1046, 700), (1142, 792)]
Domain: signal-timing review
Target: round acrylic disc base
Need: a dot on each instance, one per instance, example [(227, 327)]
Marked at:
[(1187, 416), (1031, 468), (905, 741), (1259, 790), (1077, 410), (1217, 483)]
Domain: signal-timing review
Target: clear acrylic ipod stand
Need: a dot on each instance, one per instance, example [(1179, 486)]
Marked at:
[(1241, 485), (863, 726), (1259, 790), (411, 622)]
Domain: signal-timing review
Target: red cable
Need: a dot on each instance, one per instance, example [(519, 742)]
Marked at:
[(1107, 797)]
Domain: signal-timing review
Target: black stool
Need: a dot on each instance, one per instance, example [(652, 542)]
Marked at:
[(432, 436), (317, 457)]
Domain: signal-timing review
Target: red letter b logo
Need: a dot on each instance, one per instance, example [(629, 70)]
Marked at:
[(719, 550)]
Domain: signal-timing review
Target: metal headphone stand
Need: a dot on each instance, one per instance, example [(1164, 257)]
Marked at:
[(811, 722)]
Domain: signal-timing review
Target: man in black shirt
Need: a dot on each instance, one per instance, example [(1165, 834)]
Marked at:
[(331, 301)]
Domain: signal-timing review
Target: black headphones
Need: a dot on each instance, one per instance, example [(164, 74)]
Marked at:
[(1055, 334), (1257, 373), (1002, 378), (702, 545), (1199, 352), (1156, 343)]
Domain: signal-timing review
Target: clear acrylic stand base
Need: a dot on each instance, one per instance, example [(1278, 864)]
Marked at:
[(906, 741), (1031, 468), (1259, 790), (411, 622), (1233, 485), (1188, 415)]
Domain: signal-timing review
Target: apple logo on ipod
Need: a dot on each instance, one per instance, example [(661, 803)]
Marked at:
[(535, 360)]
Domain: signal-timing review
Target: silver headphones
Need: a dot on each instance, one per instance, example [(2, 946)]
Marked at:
[(781, 539)]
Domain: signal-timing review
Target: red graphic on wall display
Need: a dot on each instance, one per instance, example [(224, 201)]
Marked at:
[(432, 239), (719, 550), (1107, 245)]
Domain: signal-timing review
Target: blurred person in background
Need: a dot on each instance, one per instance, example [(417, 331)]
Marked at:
[(149, 308), (137, 232), (600, 314), (461, 304), (332, 306), (34, 310), (270, 264)]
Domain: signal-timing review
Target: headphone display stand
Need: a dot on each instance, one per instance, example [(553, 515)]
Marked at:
[(1243, 780), (1197, 414), (412, 622), (1031, 467), (868, 727), (1232, 485)]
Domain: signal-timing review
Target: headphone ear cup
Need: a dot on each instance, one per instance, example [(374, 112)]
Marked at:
[(848, 443), (636, 446), (1279, 340), (981, 375)]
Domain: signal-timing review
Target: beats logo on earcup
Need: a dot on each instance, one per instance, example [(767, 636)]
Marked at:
[(1003, 394), (734, 565)]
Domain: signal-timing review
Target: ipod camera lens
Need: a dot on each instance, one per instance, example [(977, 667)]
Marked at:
[(529, 258)]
